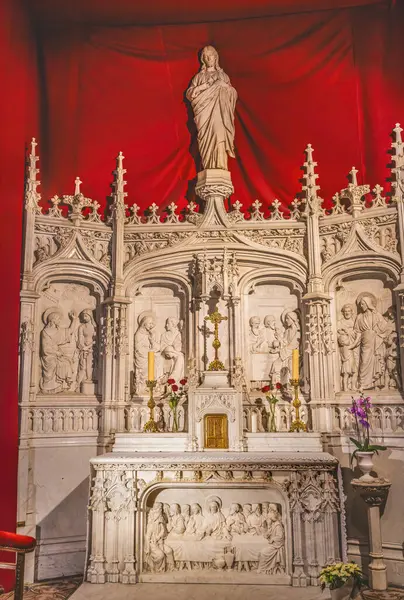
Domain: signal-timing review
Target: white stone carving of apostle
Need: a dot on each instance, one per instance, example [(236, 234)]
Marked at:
[(346, 337), (370, 330), (236, 523), (255, 520), (171, 349), (56, 364), (213, 100), (145, 342), (176, 527), (256, 336), (291, 341), (86, 335), (272, 558), (196, 524), (159, 556)]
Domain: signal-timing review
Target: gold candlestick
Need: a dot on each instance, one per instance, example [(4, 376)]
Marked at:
[(297, 424), (151, 425), (216, 318)]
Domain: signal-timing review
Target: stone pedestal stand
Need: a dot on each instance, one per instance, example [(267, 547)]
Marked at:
[(374, 494)]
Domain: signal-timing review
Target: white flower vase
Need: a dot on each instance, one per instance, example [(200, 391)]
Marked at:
[(365, 464), (344, 592)]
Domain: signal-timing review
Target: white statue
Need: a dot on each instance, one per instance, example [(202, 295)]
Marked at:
[(236, 522), (272, 558), (215, 521), (370, 330), (291, 341), (256, 336), (86, 335), (196, 524), (346, 337), (159, 556), (56, 360), (255, 521), (213, 101), (171, 349), (145, 342)]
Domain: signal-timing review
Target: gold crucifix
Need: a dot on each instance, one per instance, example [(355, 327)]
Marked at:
[(216, 318)]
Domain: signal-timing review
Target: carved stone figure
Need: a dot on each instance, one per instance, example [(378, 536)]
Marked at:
[(56, 359), (272, 558), (236, 522), (171, 349), (370, 330), (186, 513), (291, 341), (86, 336), (256, 337), (145, 342), (215, 521), (346, 337), (196, 523), (255, 521), (176, 527), (213, 101), (158, 555)]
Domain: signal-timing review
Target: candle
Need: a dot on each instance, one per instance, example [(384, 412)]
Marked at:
[(295, 364), (150, 365)]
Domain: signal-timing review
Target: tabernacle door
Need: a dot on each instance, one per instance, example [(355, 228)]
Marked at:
[(216, 434)]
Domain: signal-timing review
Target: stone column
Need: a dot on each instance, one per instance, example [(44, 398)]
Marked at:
[(374, 494), (397, 172), (317, 325)]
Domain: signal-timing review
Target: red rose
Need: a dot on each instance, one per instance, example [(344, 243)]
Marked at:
[(183, 381), (265, 389), (279, 386), (174, 388), (170, 381)]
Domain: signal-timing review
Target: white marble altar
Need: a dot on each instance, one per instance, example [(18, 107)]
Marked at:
[(99, 294)]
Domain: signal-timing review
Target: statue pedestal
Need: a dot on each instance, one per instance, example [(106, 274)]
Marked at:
[(374, 493), (214, 182)]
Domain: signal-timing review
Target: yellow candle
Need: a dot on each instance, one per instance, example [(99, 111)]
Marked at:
[(295, 364), (150, 364)]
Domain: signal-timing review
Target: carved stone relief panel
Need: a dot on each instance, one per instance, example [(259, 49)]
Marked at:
[(272, 330), (366, 335), (217, 529), (159, 327), (68, 358)]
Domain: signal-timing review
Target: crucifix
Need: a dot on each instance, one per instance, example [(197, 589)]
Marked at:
[(216, 318), (77, 182)]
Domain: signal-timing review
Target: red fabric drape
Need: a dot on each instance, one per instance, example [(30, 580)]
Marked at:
[(322, 77), (18, 110)]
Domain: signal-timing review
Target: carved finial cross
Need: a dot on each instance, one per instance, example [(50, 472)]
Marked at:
[(397, 130), (353, 173), (237, 205), (34, 144), (276, 214), (77, 183), (309, 152), (257, 214), (120, 160), (172, 215), (191, 206)]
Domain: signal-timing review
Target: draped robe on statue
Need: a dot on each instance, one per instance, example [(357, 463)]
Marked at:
[(214, 117), (371, 328)]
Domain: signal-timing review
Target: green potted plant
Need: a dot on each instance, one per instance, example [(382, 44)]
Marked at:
[(344, 580), (364, 450), (177, 391)]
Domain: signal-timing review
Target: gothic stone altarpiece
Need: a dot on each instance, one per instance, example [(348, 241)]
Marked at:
[(99, 293)]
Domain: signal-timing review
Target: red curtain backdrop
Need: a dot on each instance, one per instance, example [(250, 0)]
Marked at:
[(326, 77), (111, 76), (18, 110)]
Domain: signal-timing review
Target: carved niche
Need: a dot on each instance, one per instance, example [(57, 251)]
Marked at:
[(272, 330), (68, 358), (239, 530), (366, 335), (158, 326)]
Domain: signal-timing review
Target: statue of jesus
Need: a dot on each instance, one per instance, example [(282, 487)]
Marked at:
[(213, 100)]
